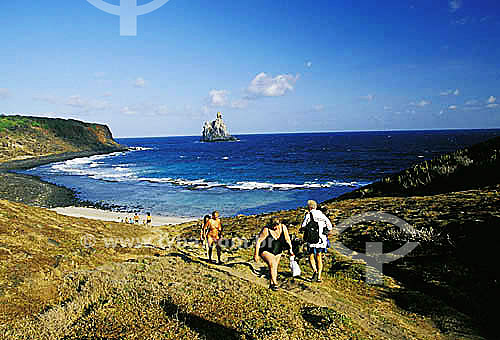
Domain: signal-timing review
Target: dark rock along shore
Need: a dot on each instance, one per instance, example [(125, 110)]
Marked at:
[(31, 190), (31, 139)]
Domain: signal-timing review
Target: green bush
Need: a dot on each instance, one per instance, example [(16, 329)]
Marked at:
[(13, 123)]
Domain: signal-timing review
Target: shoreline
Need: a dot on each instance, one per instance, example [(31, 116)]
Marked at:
[(33, 162), (113, 216), (32, 190)]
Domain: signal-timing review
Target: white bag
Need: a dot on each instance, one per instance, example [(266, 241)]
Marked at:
[(294, 266)]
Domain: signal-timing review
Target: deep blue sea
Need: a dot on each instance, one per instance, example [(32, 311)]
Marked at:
[(180, 176)]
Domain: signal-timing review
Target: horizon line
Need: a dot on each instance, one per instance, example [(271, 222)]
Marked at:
[(317, 132)]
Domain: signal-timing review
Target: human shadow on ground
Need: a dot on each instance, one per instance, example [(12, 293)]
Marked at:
[(207, 329)]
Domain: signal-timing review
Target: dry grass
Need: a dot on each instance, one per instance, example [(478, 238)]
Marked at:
[(53, 288), (38, 247), (23, 137)]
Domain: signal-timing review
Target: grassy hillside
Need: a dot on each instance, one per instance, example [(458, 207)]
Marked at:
[(51, 287), (23, 137), (469, 168)]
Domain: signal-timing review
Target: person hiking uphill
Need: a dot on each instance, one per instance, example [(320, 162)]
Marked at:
[(271, 242), (316, 227), (213, 235)]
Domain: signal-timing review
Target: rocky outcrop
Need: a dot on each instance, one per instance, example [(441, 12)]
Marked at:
[(216, 131), (474, 167)]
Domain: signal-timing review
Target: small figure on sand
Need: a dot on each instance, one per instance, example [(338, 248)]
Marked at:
[(213, 235), (148, 219), (136, 218), (271, 242), (316, 227)]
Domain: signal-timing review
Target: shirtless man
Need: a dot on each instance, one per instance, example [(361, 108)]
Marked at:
[(213, 232)]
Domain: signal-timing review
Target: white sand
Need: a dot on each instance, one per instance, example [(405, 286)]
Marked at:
[(111, 216)]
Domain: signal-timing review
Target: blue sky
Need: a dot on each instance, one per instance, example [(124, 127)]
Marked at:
[(269, 66)]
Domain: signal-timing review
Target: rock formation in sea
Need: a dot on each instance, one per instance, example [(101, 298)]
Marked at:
[(216, 131)]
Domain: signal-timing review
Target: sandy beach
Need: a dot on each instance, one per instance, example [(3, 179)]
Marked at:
[(111, 216)]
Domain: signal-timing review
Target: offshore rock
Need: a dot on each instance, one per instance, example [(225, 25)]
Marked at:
[(216, 131)]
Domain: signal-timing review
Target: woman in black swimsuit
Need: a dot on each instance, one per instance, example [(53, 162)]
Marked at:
[(272, 241)]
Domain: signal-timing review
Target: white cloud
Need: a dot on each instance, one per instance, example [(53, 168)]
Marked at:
[(492, 106), (161, 110), (448, 92), (77, 101), (128, 110), (264, 85), (471, 102), (492, 100), (452, 107), (463, 21), (147, 109), (454, 5), (48, 99), (239, 104), (421, 103), (318, 107), (309, 64), (140, 82), (4, 93), (218, 98), (205, 109), (368, 97), (98, 105)]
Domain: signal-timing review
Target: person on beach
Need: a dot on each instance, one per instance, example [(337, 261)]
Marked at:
[(316, 250), (136, 219), (213, 232), (148, 219), (271, 242)]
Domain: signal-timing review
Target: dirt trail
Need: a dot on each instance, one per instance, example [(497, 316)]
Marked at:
[(382, 325)]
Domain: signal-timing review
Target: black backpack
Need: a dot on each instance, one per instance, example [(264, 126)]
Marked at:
[(311, 232)]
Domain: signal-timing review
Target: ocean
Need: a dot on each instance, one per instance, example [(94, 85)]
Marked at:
[(181, 176)]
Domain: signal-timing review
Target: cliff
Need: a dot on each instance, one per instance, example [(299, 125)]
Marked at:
[(28, 137), (470, 168), (216, 131)]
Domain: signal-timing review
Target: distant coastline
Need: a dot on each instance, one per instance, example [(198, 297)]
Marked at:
[(27, 142), (32, 190)]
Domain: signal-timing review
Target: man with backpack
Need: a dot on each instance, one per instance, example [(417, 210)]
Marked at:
[(316, 227)]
